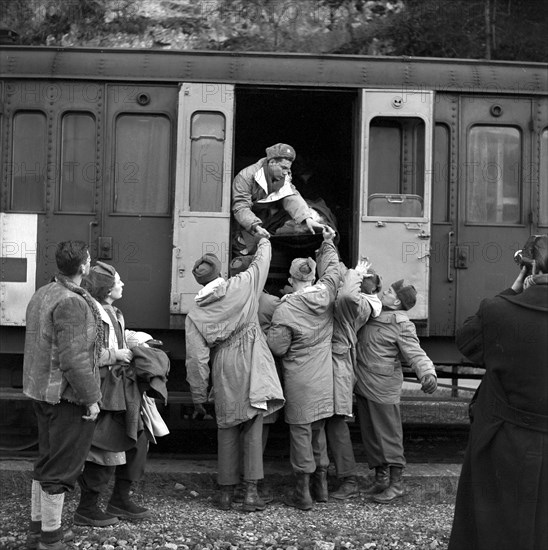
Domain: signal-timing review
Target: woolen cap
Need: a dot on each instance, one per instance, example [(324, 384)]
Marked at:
[(280, 151), (303, 269), (407, 295), (99, 280), (102, 274), (239, 264), (206, 269)]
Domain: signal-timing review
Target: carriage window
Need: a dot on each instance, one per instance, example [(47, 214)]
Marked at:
[(206, 162), (28, 168), (441, 174), (142, 164), (543, 181), (493, 175), (77, 185), (396, 166)]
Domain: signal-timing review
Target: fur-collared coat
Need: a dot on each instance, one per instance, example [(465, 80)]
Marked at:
[(502, 499), (60, 345)]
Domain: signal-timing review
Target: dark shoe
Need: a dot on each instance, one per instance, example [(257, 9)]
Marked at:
[(239, 493), (347, 489), (97, 518), (57, 545), (52, 540), (226, 497), (301, 498), (120, 504), (252, 501), (33, 538), (382, 481), (395, 489), (128, 510), (89, 513), (318, 485)]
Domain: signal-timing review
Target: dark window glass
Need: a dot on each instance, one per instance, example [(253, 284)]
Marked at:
[(493, 175), (396, 167), (28, 169), (142, 164), (206, 161), (441, 174), (78, 169), (543, 182)]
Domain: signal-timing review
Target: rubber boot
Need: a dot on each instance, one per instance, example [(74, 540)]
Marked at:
[(347, 489), (395, 489), (252, 501), (382, 481), (226, 497), (301, 498), (120, 504), (318, 485), (89, 513)]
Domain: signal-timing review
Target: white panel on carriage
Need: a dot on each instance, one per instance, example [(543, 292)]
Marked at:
[(203, 184), (395, 187), (18, 251)]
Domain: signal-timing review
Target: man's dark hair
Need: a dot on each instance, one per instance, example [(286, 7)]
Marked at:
[(70, 255)]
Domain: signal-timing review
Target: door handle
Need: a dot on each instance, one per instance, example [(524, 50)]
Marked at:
[(449, 244)]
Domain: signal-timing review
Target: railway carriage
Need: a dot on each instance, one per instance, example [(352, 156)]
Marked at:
[(437, 170)]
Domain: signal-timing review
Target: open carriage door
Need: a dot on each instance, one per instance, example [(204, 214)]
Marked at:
[(395, 186), (203, 181)]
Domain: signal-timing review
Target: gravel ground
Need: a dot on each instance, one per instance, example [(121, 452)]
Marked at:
[(185, 518)]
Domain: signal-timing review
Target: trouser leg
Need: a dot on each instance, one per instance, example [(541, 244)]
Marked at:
[(64, 440), (382, 433), (340, 445), (252, 450), (300, 448), (319, 444), (228, 463)]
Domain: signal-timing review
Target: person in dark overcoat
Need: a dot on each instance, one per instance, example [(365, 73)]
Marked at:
[(502, 498)]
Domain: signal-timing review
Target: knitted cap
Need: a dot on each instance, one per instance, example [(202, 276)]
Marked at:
[(206, 269), (99, 280), (281, 151), (303, 269), (407, 295), (239, 264)]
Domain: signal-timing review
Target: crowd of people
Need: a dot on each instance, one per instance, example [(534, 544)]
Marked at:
[(333, 338)]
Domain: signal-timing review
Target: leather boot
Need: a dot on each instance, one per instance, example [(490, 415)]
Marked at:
[(89, 513), (52, 540), (120, 504), (318, 485), (33, 537), (382, 481), (395, 489), (239, 492), (300, 498), (252, 501), (226, 497), (347, 489)]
